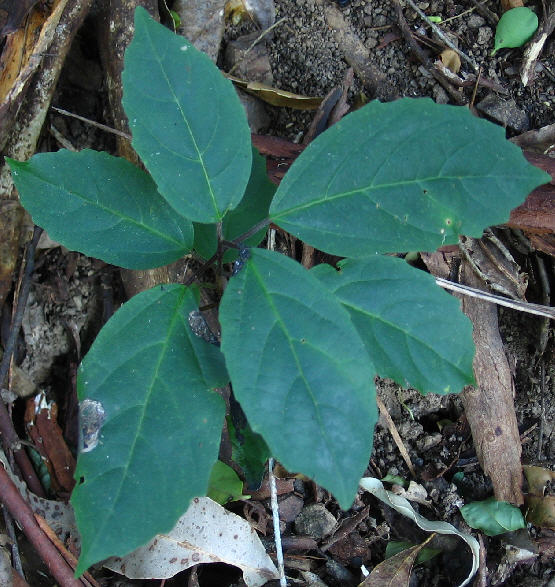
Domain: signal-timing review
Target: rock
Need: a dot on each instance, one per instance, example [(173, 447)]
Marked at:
[(485, 34), (475, 21), (504, 111), (290, 507), (316, 521)]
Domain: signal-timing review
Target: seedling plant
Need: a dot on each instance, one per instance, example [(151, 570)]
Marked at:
[(301, 348)]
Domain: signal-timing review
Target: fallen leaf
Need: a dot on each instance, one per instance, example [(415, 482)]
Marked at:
[(451, 60), (540, 511), (276, 97), (395, 570), (401, 505), (508, 4), (538, 478), (206, 533)]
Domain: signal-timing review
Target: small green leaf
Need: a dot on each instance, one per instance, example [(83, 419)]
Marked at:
[(224, 484), (299, 371), (154, 380), (515, 27), (252, 209), (414, 331), (402, 176), (188, 125), (102, 206), (493, 517), (250, 452)]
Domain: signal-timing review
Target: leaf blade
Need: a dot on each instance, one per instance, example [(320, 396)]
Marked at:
[(146, 389), (313, 399), (188, 125), (414, 332), (365, 186), (102, 206)]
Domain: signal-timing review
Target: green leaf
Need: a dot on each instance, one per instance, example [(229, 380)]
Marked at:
[(102, 206), (406, 175), (153, 378), (224, 484), (395, 547), (250, 452), (493, 517), (188, 125), (252, 209), (515, 27), (414, 331), (299, 371)]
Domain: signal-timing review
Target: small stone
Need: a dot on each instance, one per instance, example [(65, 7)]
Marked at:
[(428, 441), (290, 507), (485, 34), (475, 21), (316, 521), (504, 111), (440, 95)]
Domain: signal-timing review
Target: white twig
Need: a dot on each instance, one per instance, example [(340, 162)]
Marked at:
[(442, 35), (275, 517), (466, 290)]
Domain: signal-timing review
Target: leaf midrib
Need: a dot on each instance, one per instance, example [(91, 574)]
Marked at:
[(283, 327), (186, 122), (122, 217), (367, 191), (174, 320)]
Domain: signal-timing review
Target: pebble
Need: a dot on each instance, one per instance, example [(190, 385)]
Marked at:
[(315, 521)]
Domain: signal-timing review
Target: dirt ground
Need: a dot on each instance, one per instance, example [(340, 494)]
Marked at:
[(71, 295)]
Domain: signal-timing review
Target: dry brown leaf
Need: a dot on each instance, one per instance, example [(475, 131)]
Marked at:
[(451, 60), (395, 570), (275, 96), (538, 478), (540, 511), (508, 4)]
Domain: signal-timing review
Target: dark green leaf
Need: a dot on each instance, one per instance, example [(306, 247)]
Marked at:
[(153, 378), (188, 125), (224, 484), (102, 206), (250, 452), (299, 371), (493, 517), (414, 332), (252, 209), (406, 175)]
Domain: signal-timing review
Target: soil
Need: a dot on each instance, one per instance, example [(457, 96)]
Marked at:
[(74, 294)]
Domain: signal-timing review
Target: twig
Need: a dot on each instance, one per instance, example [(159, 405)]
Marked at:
[(8, 433), (69, 558), (256, 41), (542, 414), (442, 35), (275, 518), (16, 559), (22, 513), (466, 290), (99, 125), (421, 56), (396, 436)]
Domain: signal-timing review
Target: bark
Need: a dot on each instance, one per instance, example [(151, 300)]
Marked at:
[(489, 405)]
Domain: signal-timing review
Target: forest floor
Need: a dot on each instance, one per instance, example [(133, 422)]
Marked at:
[(309, 53)]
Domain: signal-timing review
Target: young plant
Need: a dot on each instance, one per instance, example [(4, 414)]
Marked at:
[(301, 348)]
